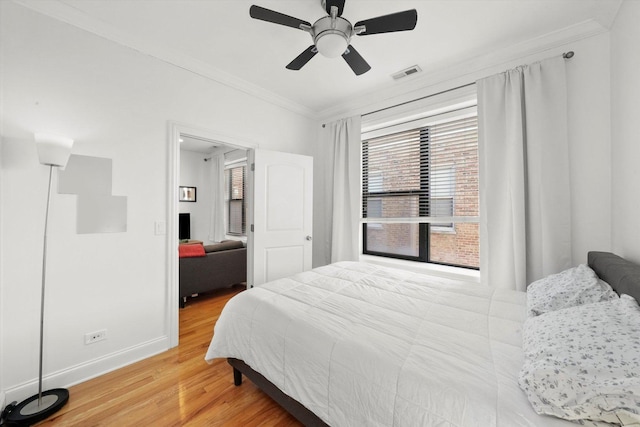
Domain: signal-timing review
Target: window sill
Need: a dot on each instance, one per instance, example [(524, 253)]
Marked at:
[(435, 230), (457, 273)]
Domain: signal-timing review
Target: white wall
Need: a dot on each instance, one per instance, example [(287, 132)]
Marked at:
[(625, 114), (115, 103), (589, 131), (588, 75), (195, 172)]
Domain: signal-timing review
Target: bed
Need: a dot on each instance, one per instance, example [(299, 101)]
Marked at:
[(353, 344)]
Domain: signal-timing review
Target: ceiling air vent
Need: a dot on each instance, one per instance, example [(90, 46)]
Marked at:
[(404, 73)]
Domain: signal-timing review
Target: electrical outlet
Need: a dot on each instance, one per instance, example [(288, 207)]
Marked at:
[(92, 337)]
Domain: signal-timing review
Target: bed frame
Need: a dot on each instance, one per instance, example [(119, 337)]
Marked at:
[(292, 406), (622, 275)]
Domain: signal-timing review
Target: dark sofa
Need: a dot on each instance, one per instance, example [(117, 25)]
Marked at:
[(223, 265)]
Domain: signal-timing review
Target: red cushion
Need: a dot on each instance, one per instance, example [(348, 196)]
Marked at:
[(187, 251)]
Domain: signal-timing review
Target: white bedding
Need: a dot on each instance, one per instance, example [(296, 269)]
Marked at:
[(360, 344)]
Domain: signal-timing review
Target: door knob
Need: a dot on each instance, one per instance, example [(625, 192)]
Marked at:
[(308, 238)]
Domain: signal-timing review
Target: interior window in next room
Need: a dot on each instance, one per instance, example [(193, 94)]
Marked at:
[(235, 189)]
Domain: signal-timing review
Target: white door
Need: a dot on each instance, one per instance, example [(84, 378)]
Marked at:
[(281, 221)]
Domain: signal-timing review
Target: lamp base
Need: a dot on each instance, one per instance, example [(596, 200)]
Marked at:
[(30, 411)]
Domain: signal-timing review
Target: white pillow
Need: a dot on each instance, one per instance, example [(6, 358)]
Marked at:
[(575, 286), (583, 362)]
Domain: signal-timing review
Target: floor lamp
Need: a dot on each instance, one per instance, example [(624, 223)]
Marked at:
[(53, 151)]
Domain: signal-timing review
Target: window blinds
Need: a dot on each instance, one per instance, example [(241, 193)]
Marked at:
[(235, 197), (426, 174)]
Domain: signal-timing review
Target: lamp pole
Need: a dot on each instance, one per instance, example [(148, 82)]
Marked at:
[(44, 274), (40, 406)]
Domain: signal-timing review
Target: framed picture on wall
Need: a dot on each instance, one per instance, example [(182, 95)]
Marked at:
[(187, 194)]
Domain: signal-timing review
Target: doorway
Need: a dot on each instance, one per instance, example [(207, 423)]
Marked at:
[(196, 139), (214, 176)]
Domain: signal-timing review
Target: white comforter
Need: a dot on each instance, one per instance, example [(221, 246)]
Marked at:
[(363, 345)]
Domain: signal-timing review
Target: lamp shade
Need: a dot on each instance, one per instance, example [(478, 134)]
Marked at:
[(53, 150)]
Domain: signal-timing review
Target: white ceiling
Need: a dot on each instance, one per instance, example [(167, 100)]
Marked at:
[(197, 145), (219, 36)]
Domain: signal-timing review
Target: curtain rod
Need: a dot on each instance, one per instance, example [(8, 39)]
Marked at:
[(566, 55)]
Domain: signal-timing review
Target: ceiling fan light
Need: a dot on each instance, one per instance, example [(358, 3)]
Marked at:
[(331, 44)]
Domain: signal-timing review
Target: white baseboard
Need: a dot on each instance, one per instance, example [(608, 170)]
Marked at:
[(3, 400), (87, 370)]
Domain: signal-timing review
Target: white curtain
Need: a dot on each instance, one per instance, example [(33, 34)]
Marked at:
[(525, 230), (217, 225), (340, 144)]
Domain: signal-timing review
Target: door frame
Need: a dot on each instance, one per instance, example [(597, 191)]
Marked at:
[(174, 130)]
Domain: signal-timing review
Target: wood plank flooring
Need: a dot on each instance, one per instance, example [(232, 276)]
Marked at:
[(175, 388)]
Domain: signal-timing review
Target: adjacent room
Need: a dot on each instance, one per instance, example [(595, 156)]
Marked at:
[(419, 212), (212, 217)]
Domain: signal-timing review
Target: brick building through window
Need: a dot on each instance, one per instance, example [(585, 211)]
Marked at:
[(424, 183)]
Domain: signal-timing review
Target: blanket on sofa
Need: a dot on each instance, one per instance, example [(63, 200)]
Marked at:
[(190, 251)]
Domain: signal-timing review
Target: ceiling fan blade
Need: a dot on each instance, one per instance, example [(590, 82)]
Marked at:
[(355, 61), (400, 21), (303, 58), (257, 12), (338, 3)]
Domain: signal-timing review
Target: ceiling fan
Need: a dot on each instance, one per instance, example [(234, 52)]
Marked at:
[(332, 34)]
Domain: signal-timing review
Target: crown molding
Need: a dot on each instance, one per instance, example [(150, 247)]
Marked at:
[(62, 12), (444, 76), (440, 77), (607, 15)]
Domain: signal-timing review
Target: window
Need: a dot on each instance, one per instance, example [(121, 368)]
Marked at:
[(442, 183), (374, 204), (423, 185), (234, 180)]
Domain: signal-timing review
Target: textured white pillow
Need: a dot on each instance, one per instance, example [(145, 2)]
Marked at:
[(583, 362), (575, 286)]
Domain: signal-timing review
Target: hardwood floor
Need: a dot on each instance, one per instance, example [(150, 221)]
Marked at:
[(175, 388)]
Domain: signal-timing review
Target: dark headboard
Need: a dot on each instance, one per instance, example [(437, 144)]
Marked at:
[(622, 275)]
